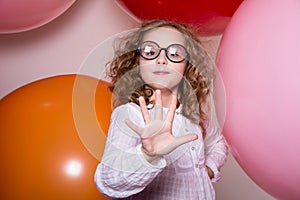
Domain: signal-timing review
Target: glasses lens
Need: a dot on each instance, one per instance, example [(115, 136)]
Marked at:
[(149, 50), (176, 53)]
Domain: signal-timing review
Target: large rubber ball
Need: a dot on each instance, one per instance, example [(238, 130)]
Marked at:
[(260, 65), (23, 15), (209, 16), (43, 154)]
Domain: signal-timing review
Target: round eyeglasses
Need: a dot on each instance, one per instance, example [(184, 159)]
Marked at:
[(150, 50)]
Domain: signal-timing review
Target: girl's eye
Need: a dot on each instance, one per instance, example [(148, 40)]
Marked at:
[(173, 52), (149, 51)]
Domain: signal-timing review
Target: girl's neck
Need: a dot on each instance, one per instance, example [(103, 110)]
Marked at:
[(166, 95)]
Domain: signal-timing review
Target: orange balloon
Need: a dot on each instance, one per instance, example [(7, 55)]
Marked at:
[(42, 152)]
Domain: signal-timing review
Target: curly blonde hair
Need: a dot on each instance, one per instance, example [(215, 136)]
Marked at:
[(128, 85)]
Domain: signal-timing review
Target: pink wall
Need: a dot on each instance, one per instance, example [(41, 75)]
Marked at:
[(61, 46)]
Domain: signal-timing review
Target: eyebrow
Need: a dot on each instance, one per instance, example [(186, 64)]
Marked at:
[(184, 44)]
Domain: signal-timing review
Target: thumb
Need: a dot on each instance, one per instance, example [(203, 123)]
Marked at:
[(185, 139)]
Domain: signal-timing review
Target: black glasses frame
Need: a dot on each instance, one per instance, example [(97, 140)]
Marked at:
[(160, 49)]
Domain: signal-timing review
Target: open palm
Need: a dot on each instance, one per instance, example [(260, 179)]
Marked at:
[(157, 138)]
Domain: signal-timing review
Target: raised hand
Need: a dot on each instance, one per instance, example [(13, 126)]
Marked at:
[(157, 138)]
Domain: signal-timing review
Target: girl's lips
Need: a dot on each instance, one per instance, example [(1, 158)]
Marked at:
[(161, 72)]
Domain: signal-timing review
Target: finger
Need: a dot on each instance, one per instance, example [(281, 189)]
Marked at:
[(178, 142), (134, 127), (158, 112), (172, 109), (185, 139), (144, 110)]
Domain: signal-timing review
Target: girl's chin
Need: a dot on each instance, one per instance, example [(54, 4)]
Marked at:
[(163, 87)]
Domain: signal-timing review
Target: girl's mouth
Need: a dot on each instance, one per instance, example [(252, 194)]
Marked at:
[(161, 73)]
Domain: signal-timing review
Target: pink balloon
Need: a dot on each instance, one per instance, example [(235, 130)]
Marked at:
[(19, 15), (260, 64)]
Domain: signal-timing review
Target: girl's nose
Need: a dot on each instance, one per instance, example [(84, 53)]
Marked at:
[(162, 58)]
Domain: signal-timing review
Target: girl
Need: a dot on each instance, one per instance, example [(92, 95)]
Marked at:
[(163, 142)]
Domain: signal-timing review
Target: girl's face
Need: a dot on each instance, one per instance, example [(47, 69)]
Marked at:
[(160, 72)]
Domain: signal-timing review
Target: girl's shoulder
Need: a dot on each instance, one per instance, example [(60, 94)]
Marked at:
[(128, 106), (128, 109)]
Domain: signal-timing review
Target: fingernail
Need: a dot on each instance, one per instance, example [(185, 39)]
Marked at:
[(196, 136)]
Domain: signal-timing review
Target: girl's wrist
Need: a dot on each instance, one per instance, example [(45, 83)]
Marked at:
[(148, 157)]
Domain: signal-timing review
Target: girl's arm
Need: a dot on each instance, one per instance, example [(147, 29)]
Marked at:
[(123, 170), (216, 150)]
